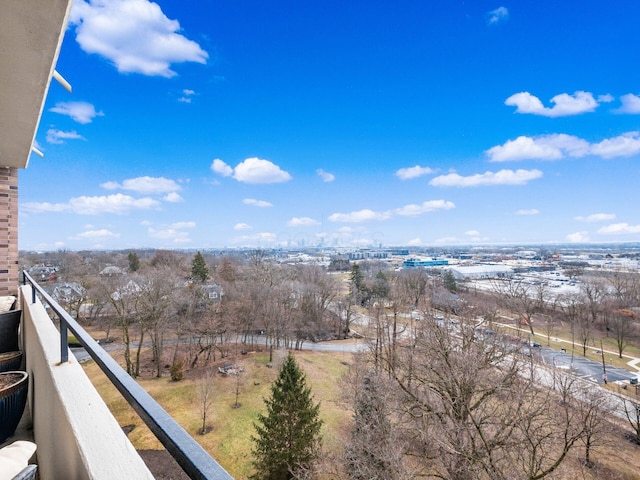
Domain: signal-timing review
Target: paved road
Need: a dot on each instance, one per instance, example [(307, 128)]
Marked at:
[(583, 367)]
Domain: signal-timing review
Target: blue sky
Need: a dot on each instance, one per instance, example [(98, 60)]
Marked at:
[(260, 124)]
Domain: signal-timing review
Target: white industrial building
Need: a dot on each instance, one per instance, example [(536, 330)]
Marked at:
[(475, 272)]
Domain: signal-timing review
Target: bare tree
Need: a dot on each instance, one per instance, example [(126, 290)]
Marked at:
[(205, 397), (522, 299), (622, 326)]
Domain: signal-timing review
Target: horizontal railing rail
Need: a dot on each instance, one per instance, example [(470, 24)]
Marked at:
[(191, 457)]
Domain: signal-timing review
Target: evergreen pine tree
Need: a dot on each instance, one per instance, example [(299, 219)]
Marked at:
[(199, 270), (134, 261), (288, 436)]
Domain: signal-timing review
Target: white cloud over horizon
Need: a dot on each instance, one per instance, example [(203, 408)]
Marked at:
[(135, 35), (531, 211), (242, 226), (80, 112), (564, 104), (413, 172), (252, 170), (578, 237), (411, 210), (502, 177), (145, 185), (619, 229)]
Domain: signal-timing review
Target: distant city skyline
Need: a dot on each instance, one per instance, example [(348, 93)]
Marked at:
[(195, 125)]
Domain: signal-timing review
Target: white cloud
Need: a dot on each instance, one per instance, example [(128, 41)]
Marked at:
[(546, 147), (259, 239), (242, 226), (118, 204), (498, 15), (606, 98), (503, 177), (531, 211), (414, 242), (446, 240), (102, 233), (413, 210), (630, 104), (186, 95), (413, 172), (302, 222), (577, 237), (144, 185), (221, 168), (472, 233), (135, 35), (256, 170), (58, 136), (325, 176), (169, 234), (564, 104), (256, 203), (180, 225), (620, 229), (364, 215), (173, 197), (596, 217), (252, 170), (81, 112), (623, 145)]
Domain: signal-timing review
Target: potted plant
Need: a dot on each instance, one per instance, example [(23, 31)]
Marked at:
[(10, 361), (9, 325), (13, 398)]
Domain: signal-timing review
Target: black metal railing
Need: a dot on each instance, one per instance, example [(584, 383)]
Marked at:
[(191, 457)]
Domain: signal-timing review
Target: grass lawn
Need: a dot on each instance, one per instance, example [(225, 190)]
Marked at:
[(229, 440)]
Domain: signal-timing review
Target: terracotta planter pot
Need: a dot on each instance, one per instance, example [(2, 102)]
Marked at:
[(13, 398)]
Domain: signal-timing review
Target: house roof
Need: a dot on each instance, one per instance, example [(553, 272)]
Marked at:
[(31, 33)]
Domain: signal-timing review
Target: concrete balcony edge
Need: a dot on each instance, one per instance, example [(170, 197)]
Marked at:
[(76, 434)]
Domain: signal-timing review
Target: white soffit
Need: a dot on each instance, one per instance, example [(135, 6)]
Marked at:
[(31, 33)]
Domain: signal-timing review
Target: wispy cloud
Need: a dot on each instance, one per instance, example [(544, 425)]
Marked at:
[(502, 177), (630, 104), (58, 136), (596, 217), (302, 222), (564, 104), (81, 112), (173, 197), (258, 239), (325, 176), (144, 185), (411, 210), (499, 15), (256, 203), (531, 211), (102, 233), (135, 35), (186, 95), (252, 170), (413, 172), (241, 227), (620, 229), (118, 204)]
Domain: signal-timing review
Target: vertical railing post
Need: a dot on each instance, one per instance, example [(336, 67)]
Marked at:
[(64, 342)]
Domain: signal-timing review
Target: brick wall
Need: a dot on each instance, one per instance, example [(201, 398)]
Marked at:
[(8, 231)]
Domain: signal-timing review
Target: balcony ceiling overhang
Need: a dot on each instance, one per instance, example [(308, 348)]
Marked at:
[(31, 33)]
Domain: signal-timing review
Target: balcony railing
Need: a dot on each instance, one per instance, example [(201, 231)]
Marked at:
[(191, 457)]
